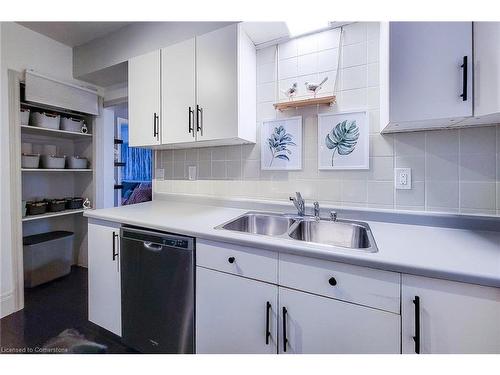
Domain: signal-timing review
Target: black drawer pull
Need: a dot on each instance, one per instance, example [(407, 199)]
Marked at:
[(332, 281), (416, 338), (268, 333), (285, 339), (231, 259), (463, 95), (115, 253)]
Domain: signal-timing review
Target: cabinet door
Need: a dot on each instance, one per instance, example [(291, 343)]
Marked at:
[(178, 92), (217, 83), (104, 277), (320, 325), (453, 317), (144, 99), (426, 77), (232, 314)]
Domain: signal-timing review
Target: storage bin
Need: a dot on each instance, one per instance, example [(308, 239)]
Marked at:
[(76, 162), (72, 124), (56, 205), (45, 120), (30, 161), (36, 207), (24, 116), (74, 203), (47, 256), (53, 162)]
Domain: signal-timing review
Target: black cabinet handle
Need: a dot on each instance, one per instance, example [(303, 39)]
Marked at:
[(463, 95), (268, 333), (199, 119), (115, 253), (416, 338), (285, 339), (332, 281), (155, 125), (190, 126), (231, 259)]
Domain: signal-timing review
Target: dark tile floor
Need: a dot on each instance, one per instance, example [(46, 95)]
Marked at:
[(50, 309)]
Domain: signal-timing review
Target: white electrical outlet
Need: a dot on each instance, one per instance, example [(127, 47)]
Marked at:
[(192, 172), (402, 178), (159, 174)]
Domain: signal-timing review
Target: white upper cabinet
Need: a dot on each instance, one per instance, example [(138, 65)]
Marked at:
[(144, 99), (178, 92), (486, 74), (426, 74), (448, 317), (217, 84), (205, 87)]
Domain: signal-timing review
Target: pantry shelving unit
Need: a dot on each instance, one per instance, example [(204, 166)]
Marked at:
[(40, 183)]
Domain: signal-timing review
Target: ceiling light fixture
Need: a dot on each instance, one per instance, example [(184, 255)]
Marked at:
[(302, 27)]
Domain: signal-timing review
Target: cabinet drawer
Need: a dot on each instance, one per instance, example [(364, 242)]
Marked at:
[(361, 285), (238, 260)]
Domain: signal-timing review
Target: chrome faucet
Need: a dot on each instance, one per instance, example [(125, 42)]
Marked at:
[(299, 204), (316, 210)]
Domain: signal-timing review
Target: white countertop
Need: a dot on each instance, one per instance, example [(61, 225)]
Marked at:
[(454, 254)]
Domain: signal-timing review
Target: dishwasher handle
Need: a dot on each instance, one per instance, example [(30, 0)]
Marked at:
[(153, 247)]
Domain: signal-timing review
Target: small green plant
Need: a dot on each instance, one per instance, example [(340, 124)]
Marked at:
[(343, 138), (278, 143)]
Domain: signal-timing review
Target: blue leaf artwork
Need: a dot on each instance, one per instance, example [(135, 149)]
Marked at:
[(342, 138), (278, 143)]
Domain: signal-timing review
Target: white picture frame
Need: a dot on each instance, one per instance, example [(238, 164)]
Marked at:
[(287, 153), (348, 146)]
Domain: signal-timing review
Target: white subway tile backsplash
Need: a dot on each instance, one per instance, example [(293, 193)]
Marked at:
[(288, 49), (328, 39), (307, 64), (266, 55), (354, 33), (478, 167), (478, 195), (354, 55), (328, 60), (453, 170), (354, 78), (266, 73)]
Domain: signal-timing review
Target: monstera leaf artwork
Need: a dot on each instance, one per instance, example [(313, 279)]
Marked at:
[(342, 139), (279, 142)]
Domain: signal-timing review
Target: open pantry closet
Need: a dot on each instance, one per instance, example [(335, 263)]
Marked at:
[(53, 161)]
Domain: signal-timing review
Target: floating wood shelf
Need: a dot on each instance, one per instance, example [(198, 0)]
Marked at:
[(325, 100)]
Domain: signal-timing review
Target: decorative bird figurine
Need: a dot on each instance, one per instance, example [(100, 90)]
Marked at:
[(315, 87), (290, 93)]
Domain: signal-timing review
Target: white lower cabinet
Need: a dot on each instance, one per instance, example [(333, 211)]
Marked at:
[(234, 314), (310, 324), (449, 317), (104, 276)]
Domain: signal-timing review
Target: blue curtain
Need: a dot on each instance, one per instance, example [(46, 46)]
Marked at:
[(138, 163)]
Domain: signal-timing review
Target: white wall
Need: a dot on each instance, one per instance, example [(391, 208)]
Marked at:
[(133, 40), (21, 49), (452, 170)]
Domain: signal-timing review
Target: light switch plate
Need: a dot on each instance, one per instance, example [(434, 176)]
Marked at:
[(402, 178), (159, 174)]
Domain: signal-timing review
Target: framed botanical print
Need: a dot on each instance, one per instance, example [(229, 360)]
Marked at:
[(281, 144), (343, 140)]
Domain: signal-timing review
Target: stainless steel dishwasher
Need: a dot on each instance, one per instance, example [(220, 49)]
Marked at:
[(157, 276)]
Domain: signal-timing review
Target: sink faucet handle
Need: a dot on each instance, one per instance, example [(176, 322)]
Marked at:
[(316, 209), (333, 215)]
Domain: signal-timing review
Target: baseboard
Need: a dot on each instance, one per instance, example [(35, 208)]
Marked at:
[(7, 304)]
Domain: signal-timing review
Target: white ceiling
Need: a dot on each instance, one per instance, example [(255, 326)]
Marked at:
[(263, 32), (74, 33)]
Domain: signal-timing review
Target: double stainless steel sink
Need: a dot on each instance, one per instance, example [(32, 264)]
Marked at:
[(340, 233)]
